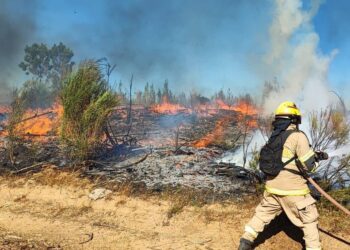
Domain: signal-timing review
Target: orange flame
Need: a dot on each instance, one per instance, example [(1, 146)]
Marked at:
[(246, 121), (215, 134), (205, 109), (39, 122), (241, 106), (168, 108), (42, 125)]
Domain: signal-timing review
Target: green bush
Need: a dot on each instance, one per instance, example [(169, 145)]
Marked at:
[(87, 101)]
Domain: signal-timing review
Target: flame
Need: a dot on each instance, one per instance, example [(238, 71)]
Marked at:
[(246, 122), (215, 134), (168, 108), (42, 125), (205, 109), (241, 106), (39, 122)]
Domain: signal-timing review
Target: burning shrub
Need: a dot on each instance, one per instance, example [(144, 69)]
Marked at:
[(87, 102), (13, 131)]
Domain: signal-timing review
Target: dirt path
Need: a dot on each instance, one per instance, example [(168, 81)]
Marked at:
[(34, 215)]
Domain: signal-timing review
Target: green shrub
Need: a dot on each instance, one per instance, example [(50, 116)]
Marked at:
[(87, 102)]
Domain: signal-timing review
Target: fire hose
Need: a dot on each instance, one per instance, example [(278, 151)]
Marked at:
[(327, 196), (322, 156)]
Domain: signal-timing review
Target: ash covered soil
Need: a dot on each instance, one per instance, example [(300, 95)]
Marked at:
[(53, 209), (199, 169), (155, 169)]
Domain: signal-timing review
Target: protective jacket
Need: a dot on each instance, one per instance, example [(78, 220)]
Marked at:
[(288, 192), (290, 182)]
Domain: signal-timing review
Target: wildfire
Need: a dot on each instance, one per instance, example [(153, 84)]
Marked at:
[(246, 121), (215, 134), (242, 107), (39, 122), (168, 108), (205, 109), (42, 125)]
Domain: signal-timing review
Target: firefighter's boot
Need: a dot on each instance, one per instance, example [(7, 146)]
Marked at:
[(245, 244)]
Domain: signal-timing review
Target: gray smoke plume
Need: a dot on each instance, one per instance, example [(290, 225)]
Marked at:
[(295, 59), (15, 32), (159, 39), (181, 31)]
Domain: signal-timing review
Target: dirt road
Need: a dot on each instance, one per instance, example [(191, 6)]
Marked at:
[(39, 214)]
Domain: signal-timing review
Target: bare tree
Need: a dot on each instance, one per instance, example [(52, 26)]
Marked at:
[(246, 126), (329, 131), (341, 102), (264, 124), (106, 67)]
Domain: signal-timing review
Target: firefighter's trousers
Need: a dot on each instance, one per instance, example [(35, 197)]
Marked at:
[(301, 211)]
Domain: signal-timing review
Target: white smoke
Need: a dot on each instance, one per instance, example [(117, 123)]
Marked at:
[(257, 141), (294, 58)]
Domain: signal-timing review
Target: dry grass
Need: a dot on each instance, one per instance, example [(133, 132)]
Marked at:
[(334, 220), (49, 176), (175, 208), (53, 176), (120, 203), (130, 219), (210, 215), (21, 198)]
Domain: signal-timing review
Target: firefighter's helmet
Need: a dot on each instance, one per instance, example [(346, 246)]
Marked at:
[(288, 110)]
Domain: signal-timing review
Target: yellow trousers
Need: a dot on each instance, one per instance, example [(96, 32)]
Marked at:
[(301, 211)]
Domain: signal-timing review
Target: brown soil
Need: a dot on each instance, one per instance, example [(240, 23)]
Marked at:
[(51, 210)]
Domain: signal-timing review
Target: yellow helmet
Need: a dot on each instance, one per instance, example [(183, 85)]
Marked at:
[(288, 110)]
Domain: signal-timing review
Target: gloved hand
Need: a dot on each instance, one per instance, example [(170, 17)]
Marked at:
[(320, 156)]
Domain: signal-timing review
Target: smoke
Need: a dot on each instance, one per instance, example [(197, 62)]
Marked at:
[(15, 32), (236, 157), (295, 59), (190, 43)]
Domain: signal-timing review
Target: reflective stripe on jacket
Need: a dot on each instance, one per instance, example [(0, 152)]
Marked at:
[(289, 181)]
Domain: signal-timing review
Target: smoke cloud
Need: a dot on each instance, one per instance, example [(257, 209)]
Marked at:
[(15, 32), (190, 43), (294, 58)]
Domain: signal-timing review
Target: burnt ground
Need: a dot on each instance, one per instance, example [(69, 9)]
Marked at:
[(148, 168), (154, 151), (166, 193)]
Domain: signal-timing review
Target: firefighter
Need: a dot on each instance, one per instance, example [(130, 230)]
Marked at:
[(288, 191)]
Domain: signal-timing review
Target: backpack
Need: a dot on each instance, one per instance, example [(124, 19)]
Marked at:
[(270, 158)]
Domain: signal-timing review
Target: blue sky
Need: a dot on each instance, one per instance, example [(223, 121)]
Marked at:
[(332, 25), (195, 44)]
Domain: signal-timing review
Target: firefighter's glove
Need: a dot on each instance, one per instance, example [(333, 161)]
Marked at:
[(320, 156)]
